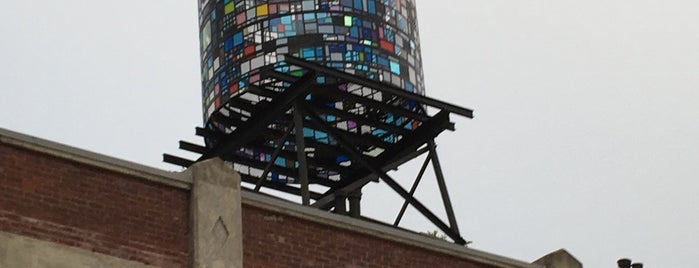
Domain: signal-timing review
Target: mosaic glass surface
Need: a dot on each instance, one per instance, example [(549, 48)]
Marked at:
[(376, 39)]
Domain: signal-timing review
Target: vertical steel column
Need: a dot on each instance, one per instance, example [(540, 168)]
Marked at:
[(442, 186), (355, 201), (340, 203), (301, 154)]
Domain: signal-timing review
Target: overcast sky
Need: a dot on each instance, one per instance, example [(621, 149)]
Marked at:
[(586, 133)]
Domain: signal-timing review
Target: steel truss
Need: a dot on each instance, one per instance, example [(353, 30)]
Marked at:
[(331, 129)]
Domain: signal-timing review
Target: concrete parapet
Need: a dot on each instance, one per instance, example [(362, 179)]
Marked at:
[(22, 251), (559, 259), (217, 236)]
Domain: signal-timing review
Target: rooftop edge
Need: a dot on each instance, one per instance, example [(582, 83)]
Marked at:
[(183, 180)]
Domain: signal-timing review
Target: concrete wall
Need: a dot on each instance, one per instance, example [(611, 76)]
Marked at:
[(25, 252), (217, 235), (559, 259)]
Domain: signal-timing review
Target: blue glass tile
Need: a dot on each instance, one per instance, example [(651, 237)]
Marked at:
[(395, 67), (238, 39), (383, 61), (358, 4), (309, 17), (228, 44), (286, 19), (342, 158), (307, 132), (389, 119), (378, 132), (280, 161), (321, 135), (354, 31), (308, 53), (409, 86)]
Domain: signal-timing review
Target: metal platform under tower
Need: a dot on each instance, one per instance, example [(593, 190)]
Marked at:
[(314, 125)]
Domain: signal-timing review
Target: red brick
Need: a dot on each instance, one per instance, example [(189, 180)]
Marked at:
[(67, 202), (294, 242), (58, 200)]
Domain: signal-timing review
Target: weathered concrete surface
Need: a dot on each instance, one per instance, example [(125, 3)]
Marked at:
[(25, 252), (559, 259), (217, 236)]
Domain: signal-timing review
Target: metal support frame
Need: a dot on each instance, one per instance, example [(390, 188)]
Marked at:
[(275, 155), (377, 85), (442, 185), (412, 190), (289, 104), (340, 203), (266, 114), (357, 156), (355, 198), (359, 183), (301, 151)]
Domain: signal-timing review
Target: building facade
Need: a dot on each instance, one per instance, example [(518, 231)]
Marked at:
[(65, 207)]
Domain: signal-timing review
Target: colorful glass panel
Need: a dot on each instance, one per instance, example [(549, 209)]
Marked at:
[(375, 39)]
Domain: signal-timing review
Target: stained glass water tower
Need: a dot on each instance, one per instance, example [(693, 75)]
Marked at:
[(328, 93)]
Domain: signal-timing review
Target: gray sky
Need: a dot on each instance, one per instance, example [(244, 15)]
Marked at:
[(586, 133)]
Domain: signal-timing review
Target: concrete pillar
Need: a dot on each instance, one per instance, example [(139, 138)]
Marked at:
[(559, 259), (217, 235)]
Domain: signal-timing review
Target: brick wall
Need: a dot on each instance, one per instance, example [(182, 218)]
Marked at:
[(276, 240), (76, 198), (63, 201)]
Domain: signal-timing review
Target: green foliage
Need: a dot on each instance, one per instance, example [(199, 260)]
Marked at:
[(436, 234)]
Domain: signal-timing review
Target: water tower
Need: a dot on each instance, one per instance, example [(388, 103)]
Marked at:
[(321, 93)]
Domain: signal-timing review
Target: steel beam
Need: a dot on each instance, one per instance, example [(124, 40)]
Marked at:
[(301, 153), (331, 91), (329, 196), (412, 190), (194, 148), (207, 134), (276, 153), (357, 156), (363, 119), (278, 186), (442, 185), (379, 86), (263, 115), (176, 160), (427, 131)]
